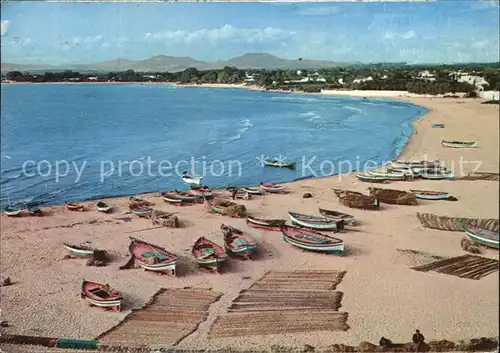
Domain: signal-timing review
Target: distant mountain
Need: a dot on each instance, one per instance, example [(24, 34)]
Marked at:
[(161, 63)]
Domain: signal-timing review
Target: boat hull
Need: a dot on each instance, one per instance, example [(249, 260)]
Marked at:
[(168, 268), (337, 249), (430, 196), (456, 144), (331, 225), (338, 216), (79, 252), (196, 181), (272, 188), (485, 239), (264, 224)]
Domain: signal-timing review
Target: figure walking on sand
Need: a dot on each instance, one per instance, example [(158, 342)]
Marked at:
[(418, 340)]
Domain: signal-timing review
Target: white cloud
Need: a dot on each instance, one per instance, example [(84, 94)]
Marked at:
[(318, 11), (4, 27), (225, 33)]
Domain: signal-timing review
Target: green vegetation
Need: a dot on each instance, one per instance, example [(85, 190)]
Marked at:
[(422, 79)]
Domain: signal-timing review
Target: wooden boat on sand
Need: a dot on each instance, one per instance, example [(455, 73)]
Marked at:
[(253, 191), (141, 211), (314, 222), (72, 206), (101, 295), (268, 224), (179, 196), (34, 211), (336, 215), (436, 174), (312, 241), (269, 162), (152, 257), (416, 164), (459, 144), (237, 193), (191, 180), (79, 250), (432, 195), (103, 207), (272, 188), (208, 254), (367, 177), (12, 211), (481, 236), (139, 201), (226, 207), (356, 199), (393, 175), (395, 197), (437, 125), (238, 243), (202, 191), (165, 219)]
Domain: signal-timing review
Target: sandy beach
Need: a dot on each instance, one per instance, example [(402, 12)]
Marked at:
[(381, 294)]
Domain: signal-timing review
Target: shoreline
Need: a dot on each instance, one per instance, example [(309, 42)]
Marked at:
[(382, 295)]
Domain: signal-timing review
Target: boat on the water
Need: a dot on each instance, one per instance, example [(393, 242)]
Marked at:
[(459, 144), (12, 211), (103, 207), (312, 241), (35, 211), (364, 176), (272, 188), (152, 257), (436, 174), (101, 295), (191, 179), (337, 216), (437, 125), (271, 162), (430, 195), (237, 242), (79, 250), (268, 224), (209, 255), (481, 236), (141, 211), (73, 206), (315, 222)]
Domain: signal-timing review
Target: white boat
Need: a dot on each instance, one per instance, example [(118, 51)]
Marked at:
[(315, 222), (12, 211), (415, 164), (191, 180)]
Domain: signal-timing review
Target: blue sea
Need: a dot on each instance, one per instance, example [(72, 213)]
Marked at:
[(74, 142)]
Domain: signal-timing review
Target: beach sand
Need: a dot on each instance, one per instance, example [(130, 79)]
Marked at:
[(382, 295)]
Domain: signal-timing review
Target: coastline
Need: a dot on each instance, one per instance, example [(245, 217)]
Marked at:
[(382, 296)]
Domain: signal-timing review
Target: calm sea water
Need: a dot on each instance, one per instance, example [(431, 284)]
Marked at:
[(76, 142)]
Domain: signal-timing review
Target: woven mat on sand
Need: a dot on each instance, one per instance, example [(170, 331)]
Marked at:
[(465, 266), (429, 220), (170, 316)]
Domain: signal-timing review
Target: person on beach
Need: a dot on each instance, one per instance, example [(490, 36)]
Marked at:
[(418, 337)]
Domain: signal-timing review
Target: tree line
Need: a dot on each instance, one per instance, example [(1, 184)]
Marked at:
[(443, 79)]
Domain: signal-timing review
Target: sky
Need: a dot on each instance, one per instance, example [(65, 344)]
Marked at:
[(442, 31)]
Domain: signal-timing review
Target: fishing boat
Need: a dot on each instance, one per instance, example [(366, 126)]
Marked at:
[(253, 191), (268, 162), (165, 219), (101, 295), (438, 125), (203, 192), (34, 211), (272, 188), (312, 241), (141, 211), (171, 198), (315, 222), (72, 206), (430, 195), (103, 207), (356, 199), (337, 216), (237, 193), (392, 196), (459, 144), (436, 174), (184, 196), (152, 257), (238, 243), (364, 176), (191, 180), (418, 164), (268, 224), (139, 202), (12, 211), (402, 175), (79, 250), (481, 236), (208, 254)]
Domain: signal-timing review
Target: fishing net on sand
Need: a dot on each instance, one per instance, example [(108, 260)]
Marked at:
[(396, 197), (164, 219), (487, 176), (356, 199), (235, 211), (429, 220)]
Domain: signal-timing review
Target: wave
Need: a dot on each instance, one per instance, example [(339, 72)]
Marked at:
[(311, 116), (296, 98), (244, 126), (353, 108)]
